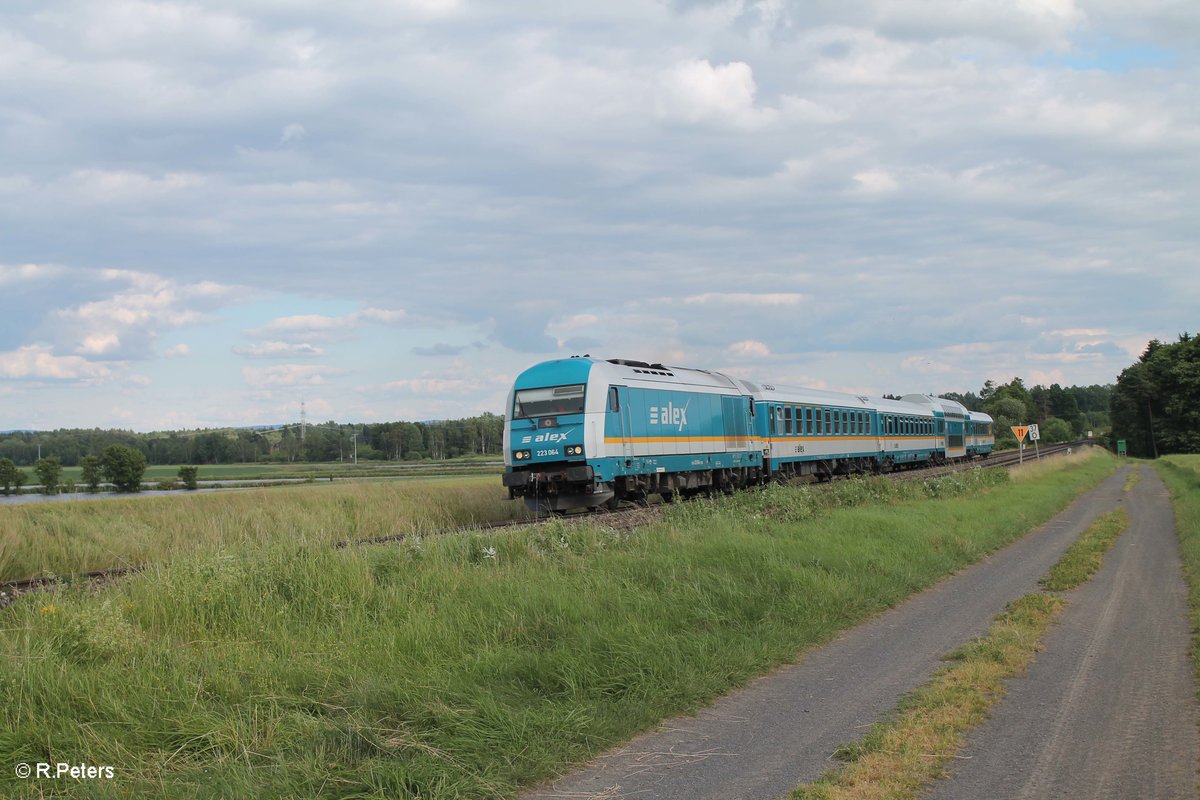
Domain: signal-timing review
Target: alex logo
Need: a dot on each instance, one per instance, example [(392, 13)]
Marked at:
[(546, 438), (670, 414)]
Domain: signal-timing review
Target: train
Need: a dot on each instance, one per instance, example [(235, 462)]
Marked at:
[(591, 433)]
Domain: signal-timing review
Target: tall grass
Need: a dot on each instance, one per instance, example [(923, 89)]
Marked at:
[(61, 538), (463, 667), (1182, 476)]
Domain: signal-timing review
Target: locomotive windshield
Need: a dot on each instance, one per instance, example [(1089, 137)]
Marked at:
[(548, 401)]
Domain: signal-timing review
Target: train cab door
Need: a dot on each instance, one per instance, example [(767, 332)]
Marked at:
[(618, 403)]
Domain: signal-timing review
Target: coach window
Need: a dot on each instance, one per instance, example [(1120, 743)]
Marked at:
[(778, 420), (770, 420), (614, 400), (787, 419), (837, 421)]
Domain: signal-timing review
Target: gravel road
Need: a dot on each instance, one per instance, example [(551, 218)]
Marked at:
[(1109, 708), (763, 740)]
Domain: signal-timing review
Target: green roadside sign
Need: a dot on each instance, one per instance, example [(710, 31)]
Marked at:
[(1120, 447)]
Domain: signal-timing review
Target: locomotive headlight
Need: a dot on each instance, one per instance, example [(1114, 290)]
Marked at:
[(574, 449), (521, 455)]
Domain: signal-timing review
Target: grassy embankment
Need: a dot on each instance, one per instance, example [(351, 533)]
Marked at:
[(1182, 476), (62, 538), (467, 666)]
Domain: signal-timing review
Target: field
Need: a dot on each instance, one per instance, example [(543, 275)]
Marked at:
[(270, 665), (316, 471), (62, 538)]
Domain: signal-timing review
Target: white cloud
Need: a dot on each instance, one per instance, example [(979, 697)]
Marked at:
[(435, 386), (279, 350), (696, 91), (293, 132), (98, 344), (746, 299), (312, 326), (876, 181), (126, 324), (38, 362), (27, 273), (180, 350), (290, 375), (748, 349)]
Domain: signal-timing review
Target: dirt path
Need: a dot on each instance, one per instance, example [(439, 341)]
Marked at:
[(763, 740), (1109, 708)]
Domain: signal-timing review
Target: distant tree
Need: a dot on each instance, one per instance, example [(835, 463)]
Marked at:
[(187, 475), (10, 476), (92, 475), (49, 473), (970, 400), (1053, 429), (123, 467)]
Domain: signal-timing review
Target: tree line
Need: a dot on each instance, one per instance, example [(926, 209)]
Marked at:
[(322, 442), (1061, 413), (1156, 402)]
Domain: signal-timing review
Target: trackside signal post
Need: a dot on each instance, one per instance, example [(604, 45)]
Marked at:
[(1034, 435), (1020, 431)]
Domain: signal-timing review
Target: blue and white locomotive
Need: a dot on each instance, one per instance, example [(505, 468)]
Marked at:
[(584, 433)]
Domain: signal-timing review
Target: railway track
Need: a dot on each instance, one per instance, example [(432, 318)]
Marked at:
[(11, 589)]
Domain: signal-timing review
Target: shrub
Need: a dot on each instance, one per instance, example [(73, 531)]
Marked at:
[(10, 477), (91, 472), (187, 476), (49, 472), (123, 467)]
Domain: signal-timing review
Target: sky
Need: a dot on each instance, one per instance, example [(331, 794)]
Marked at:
[(213, 211)]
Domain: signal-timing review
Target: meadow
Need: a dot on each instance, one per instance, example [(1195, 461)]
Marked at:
[(466, 666), (63, 538), (306, 470)]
